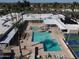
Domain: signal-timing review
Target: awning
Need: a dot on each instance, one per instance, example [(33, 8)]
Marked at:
[(9, 37)]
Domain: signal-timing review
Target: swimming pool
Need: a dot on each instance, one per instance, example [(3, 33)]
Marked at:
[(47, 41), (35, 27)]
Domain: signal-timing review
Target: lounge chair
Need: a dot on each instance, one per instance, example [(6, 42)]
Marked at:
[(28, 56), (49, 56)]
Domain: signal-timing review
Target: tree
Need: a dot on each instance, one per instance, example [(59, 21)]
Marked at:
[(26, 3), (74, 6), (17, 26), (55, 5)]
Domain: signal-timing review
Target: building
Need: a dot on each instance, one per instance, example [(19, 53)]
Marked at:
[(51, 19)]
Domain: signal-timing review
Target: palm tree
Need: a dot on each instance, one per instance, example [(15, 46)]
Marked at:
[(17, 26)]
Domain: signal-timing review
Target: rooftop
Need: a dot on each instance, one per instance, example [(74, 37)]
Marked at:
[(52, 19)]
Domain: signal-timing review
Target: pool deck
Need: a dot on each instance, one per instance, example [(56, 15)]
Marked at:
[(58, 34), (30, 46)]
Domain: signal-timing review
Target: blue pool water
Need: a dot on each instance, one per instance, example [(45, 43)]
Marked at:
[(35, 27), (40, 36), (48, 43)]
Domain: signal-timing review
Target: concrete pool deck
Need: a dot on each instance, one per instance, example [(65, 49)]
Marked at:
[(58, 35), (30, 46), (65, 50)]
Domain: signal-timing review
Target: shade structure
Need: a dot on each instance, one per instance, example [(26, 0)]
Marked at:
[(9, 37)]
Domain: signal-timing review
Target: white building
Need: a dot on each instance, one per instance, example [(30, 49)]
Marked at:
[(52, 20), (6, 24)]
